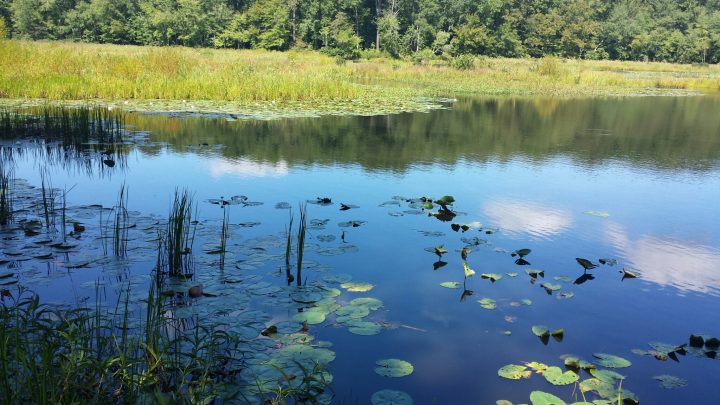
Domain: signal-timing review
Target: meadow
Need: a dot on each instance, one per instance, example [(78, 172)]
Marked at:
[(300, 80)]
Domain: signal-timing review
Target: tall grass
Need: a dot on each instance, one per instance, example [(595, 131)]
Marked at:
[(73, 71), (302, 228), (121, 224), (47, 193), (224, 235), (71, 125), (288, 250), (179, 235), (6, 200)]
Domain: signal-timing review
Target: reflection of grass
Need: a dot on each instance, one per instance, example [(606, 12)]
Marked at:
[(310, 80)]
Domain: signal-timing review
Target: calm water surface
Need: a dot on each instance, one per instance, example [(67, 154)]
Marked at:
[(533, 170)]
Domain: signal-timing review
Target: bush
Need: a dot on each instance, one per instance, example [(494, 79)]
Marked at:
[(422, 57), (463, 62), (549, 66)]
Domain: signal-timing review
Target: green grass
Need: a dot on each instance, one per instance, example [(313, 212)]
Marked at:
[(6, 202), (179, 235), (310, 81)]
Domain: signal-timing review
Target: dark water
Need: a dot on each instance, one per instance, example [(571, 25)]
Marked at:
[(533, 170)]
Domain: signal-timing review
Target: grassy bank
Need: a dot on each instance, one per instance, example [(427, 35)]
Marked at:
[(250, 80)]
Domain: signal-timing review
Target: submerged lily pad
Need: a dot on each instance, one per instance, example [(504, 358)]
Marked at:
[(393, 368), (364, 328), (391, 397), (670, 382), (487, 303), (514, 372), (611, 361)]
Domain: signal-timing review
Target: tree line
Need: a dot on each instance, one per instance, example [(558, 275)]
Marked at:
[(686, 31)]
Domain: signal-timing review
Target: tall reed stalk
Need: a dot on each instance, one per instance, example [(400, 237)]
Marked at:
[(48, 197), (120, 224), (6, 202), (302, 227), (180, 234), (224, 234)]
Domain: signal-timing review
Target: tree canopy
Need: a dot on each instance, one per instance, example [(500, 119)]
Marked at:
[(686, 31)]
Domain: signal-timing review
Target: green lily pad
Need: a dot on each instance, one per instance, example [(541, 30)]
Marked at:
[(370, 303), (306, 297), (311, 317), (611, 361), (585, 263), (390, 397), (512, 274), (393, 368), (491, 276), (607, 376), (544, 398), (514, 372), (353, 311), (670, 382), (534, 273), (538, 367), (364, 328), (550, 287), (576, 362), (601, 214), (357, 287), (555, 376), (541, 331), (526, 301), (451, 284), (487, 303)]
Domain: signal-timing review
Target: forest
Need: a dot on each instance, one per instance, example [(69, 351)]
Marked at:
[(683, 31)]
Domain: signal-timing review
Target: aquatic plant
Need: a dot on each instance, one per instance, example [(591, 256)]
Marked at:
[(302, 228), (6, 202), (224, 234), (120, 224), (179, 235)]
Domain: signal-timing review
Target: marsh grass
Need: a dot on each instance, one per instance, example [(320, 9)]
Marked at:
[(6, 199), (74, 126), (48, 196), (179, 235), (310, 80), (288, 250)]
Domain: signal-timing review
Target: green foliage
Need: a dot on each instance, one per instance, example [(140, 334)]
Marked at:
[(3, 29), (661, 30), (463, 62)]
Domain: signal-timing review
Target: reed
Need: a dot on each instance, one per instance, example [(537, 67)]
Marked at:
[(179, 235), (224, 235), (302, 228), (288, 250), (121, 224), (47, 198), (6, 200)]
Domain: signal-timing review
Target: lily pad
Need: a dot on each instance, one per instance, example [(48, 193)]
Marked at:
[(364, 328), (393, 368), (451, 284), (543, 398), (670, 382), (541, 331), (607, 376), (357, 287), (549, 287), (390, 397), (514, 372), (368, 302), (585, 263), (556, 376), (611, 361), (491, 276), (487, 303), (311, 317)]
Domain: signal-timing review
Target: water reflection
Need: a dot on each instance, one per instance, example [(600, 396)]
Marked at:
[(523, 217), (246, 168), (669, 262)]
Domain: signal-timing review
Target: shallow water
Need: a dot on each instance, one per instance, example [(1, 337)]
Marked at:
[(636, 180)]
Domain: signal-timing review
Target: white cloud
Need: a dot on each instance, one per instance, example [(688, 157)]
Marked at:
[(247, 168), (534, 219)]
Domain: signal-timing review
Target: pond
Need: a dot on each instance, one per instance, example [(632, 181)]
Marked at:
[(631, 185)]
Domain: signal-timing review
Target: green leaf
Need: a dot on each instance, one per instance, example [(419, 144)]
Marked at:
[(670, 382), (393, 368), (468, 271), (357, 287), (514, 372), (555, 376), (540, 331), (390, 397), (491, 276), (607, 376), (451, 284), (487, 303), (526, 301), (601, 214), (611, 361), (587, 264), (364, 328), (550, 287), (311, 317), (543, 398), (370, 303)]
